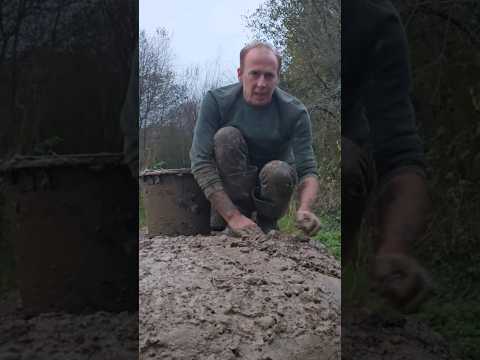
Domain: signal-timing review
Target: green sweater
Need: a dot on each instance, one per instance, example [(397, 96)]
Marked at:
[(278, 131)]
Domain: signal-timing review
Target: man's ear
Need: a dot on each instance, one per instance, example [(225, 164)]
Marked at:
[(239, 73)]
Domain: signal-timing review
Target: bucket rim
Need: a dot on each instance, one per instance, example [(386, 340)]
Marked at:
[(18, 162), (179, 172)]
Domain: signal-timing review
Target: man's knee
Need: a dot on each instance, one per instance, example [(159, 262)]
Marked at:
[(277, 181), (231, 151), (278, 175), (228, 135)]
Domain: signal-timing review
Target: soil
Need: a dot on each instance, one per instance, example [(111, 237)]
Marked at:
[(58, 335), (218, 297), (274, 298), (368, 335)]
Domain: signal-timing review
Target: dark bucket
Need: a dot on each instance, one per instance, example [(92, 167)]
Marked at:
[(73, 224), (174, 203)]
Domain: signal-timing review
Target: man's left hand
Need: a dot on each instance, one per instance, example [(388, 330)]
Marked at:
[(402, 281), (307, 222)]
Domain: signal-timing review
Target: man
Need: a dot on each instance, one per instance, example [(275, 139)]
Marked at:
[(251, 146), (380, 141)]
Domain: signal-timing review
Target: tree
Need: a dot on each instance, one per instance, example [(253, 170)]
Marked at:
[(159, 91), (56, 53), (171, 102)]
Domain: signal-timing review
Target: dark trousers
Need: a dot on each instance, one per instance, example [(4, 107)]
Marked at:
[(267, 190)]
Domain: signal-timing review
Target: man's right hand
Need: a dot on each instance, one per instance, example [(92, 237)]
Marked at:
[(239, 224), (242, 226)]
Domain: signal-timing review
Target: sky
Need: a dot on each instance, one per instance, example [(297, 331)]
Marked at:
[(202, 31)]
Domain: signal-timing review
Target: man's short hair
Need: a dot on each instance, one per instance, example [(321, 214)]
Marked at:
[(260, 44)]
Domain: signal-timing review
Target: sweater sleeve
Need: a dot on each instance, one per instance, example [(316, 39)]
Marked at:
[(387, 101), (203, 165)]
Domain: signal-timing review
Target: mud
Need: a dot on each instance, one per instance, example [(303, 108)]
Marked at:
[(368, 335), (57, 335), (226, 298)]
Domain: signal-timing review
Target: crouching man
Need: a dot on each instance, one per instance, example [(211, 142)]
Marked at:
[(252, 146)]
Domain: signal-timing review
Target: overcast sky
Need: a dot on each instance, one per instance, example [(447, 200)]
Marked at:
[(201, 30)]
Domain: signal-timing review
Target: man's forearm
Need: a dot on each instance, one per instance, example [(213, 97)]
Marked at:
[(207, 178), (221, 202), (402, 213), (307, 193)]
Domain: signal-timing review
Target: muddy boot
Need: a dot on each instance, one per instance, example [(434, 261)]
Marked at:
[(239, 187), (271, 199), (267, 214)]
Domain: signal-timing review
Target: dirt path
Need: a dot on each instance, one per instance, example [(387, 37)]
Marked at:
[(223, 298)]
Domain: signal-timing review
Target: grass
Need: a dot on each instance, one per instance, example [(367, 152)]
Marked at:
[(458, 320), (453, 312), (329, 235), (450, 252)]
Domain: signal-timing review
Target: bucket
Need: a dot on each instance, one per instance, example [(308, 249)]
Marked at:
[(174, 203), (73, 224)]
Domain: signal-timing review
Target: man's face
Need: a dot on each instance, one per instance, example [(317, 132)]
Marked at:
[(258, 76)]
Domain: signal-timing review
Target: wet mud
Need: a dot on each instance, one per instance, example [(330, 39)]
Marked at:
[(58, 335), (368, 335), (218, 297)]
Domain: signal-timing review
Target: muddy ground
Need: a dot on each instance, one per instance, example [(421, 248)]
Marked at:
[(58, 336), (274, 298), (217, 297), (225, 298), (369, 335)]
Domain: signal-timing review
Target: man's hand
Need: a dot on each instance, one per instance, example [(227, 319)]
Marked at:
[(307, 222), (242, 226), (401, 281), (403, 208), (305, 219), (238, 224)]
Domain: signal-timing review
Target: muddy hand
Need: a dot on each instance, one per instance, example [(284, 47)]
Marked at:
[(250, 232), (244, 227), (401, 281), (307, 222)]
